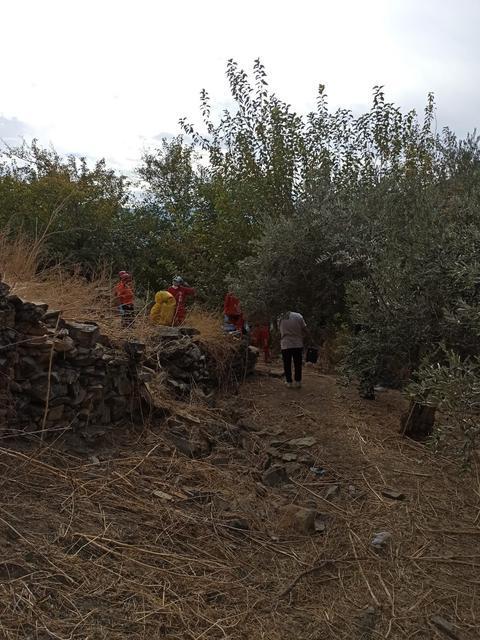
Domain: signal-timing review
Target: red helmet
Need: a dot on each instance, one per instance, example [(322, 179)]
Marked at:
[(124, 275)]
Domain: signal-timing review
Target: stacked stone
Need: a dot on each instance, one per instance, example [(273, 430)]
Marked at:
[(59, 375), (176, 359), (186, 362), (243, 361), (8, 354)]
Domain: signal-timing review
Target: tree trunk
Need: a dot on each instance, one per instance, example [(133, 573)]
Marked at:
[(417, 423)]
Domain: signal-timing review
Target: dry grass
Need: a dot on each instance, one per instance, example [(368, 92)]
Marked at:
[(209, 324), (219, 347), (91, 551), (81, 299), (19, 258)]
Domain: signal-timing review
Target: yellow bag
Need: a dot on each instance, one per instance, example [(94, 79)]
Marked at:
[(163, 310)]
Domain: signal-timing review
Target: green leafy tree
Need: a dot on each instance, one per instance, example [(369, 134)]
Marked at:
[(62, 200)]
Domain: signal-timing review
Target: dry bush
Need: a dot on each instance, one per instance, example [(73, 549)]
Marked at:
[(219, 347), (19, 258), (209, 324)]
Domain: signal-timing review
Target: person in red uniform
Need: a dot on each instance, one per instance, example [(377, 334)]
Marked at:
[(124, 298), (180, 290), (233, 311), (260, 338)]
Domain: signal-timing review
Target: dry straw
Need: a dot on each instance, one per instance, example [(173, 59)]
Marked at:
[(141, 542)]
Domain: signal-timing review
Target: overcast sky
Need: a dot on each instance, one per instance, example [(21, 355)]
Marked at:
[(105, 78)]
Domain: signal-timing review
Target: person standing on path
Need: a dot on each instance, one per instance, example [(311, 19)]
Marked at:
[(293, 330)]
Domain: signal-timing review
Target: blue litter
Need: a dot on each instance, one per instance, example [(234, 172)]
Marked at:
[(318, 471)]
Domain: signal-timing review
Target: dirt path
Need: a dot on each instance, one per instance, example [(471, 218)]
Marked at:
[(430, 566), (140, 541)]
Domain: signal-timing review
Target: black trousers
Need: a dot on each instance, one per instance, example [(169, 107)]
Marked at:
[(127, 314), (296, 355)]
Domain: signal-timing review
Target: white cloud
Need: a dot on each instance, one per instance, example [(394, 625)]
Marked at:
[(103, 78), (13, 131)]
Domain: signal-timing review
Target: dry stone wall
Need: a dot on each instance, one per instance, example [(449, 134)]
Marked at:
[(184, 362), (57, 374)]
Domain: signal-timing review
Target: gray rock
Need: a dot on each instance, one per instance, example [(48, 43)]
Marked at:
[(240, 524), (27, 367), (68, 375), (308, 441), (79, 395), (380, 540), (118, 408), (30, 312), (320, 524), (192, 448), (367, 621), (37, 341), (275, 476), (63, 344), (332, 492), (393, 494), (118, 360), (293, 468), (59, 390), (135, 349), (295, 518), (51, 318), (44, 376), (181, 386), (60, 400), (83, 361), (97, 392), (55, 413), (7, 318), (84, 334), (445, 627), (4, 289)]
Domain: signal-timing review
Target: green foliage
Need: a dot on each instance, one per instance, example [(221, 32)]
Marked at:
[(454, 388), (285, 272), (62, 200), (385, 233), (422, 269), (252, 150)]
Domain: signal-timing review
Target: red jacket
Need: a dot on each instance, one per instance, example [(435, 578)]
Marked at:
[(231, 305), (260, 336), (180, 293), (233, 310), (124, 293)]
